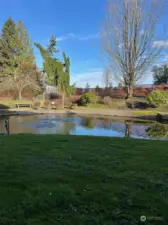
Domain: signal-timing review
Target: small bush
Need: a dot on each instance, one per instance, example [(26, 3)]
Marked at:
[(47, 104), (36, 105), (87, 98), (158, 98), (107, 101), (99, 100), (158, 130)]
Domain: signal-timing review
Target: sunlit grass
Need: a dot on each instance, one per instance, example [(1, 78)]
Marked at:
[(49, 179)]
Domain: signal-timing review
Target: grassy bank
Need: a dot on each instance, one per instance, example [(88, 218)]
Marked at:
[(7, 104), (118, 104), (71, 180)]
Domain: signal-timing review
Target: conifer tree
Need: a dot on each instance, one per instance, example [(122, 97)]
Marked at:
[(58, 73)]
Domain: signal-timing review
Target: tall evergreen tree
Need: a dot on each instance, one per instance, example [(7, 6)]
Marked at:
[(87, 87), (51, 66), (64, 79), (24, 45), (17, 60), (8, 47), (58, 73), (51, 48)]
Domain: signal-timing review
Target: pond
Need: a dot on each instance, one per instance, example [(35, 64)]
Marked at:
[(79, 125)]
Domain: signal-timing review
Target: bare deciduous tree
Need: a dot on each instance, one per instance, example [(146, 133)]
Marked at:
[(129, 38), (107, 78), (20, 79)]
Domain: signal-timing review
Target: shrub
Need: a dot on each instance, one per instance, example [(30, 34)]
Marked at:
[(36, 105), (47, 104), (158, 98), (99, 100), (87, 98), (158, 130), (107, 101)]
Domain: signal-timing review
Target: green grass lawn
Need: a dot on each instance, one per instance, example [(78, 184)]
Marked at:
[(73, 180)]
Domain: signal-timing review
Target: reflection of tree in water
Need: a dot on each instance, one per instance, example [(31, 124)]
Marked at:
[(128, 127), (158, 130), (107, 123), (2, 125), (88, 122), (58, 127), (22, 124), (66, 128)]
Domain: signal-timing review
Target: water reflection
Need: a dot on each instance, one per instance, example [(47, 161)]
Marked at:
[(88, 122), (128, 128), (158, 130), (61, 124), (2, 125)]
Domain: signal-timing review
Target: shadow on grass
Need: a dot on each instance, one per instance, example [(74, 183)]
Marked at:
[(2, 106), (4, 111)]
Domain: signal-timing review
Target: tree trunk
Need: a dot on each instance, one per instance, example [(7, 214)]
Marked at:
[(20, 95), (129, 91), (63, 100), (43, 95)]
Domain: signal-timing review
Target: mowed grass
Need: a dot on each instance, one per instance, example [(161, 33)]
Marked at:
[(76, 180)]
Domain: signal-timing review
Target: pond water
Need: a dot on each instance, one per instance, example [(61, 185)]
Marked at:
[(78, 125)]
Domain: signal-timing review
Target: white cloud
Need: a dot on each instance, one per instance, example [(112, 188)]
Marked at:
[(93, 77), (161, 43), (71, 35), (61, 38), (80, 38), (88, 37)]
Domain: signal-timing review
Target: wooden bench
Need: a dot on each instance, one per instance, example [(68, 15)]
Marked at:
[(18, 105)]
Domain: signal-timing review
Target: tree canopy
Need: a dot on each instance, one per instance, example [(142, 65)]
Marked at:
[(8, 47), (160, 74)]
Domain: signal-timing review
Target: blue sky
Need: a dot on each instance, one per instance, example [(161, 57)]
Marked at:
[(76, 24)]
